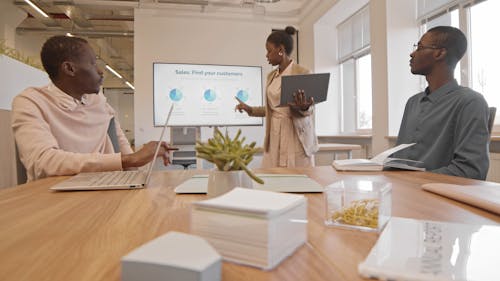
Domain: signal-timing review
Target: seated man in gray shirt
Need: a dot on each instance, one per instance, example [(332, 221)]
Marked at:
[(448, 123)]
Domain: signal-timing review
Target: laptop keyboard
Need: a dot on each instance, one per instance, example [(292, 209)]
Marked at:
[(117, 178)]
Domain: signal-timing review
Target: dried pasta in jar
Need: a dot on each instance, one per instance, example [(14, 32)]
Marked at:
[(359, 212)]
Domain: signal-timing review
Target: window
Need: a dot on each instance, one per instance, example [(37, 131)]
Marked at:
[(478, 69), (355, 70), (483, 51), (364, 92)]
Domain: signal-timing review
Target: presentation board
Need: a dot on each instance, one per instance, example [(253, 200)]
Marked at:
[(204, 95)]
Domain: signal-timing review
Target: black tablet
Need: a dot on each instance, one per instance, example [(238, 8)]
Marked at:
[(314, 85)]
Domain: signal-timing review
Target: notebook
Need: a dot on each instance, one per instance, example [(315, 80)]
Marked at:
[(272, 182), (416, 250), (113, 179), (482, 196), (314, 85)]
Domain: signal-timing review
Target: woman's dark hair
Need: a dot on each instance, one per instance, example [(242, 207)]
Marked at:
[(283, 37), (453, 39), (58, 49)]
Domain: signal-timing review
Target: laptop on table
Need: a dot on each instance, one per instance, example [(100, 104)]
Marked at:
[(113, 179)]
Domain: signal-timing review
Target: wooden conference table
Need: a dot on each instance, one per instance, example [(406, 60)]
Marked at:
[(48, 235)]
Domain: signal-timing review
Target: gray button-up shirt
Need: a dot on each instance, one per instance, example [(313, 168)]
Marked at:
[(450, 129)]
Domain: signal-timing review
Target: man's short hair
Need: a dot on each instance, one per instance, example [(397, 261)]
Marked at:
[(453, 39), (58, 49)]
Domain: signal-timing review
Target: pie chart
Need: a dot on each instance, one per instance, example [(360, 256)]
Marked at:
[(242, 95), (175, 94), (209, 95)]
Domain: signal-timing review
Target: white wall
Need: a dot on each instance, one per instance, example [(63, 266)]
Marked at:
[(308, 34), (403, 32), (15, 76), (394, 30), (326, 60)]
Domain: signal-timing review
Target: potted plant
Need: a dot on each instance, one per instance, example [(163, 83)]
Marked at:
[(231, 157)]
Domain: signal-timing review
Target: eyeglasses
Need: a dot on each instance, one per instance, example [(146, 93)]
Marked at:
[(419, 47)]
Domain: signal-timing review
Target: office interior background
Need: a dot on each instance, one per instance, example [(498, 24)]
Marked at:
[(365, 45)]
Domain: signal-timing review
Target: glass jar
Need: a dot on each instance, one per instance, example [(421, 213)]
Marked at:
[(358, 204)]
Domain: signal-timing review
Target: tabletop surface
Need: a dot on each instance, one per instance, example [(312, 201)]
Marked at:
[(46, 235)]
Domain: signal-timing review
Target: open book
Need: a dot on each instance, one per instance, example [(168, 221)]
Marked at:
[(380, 161)]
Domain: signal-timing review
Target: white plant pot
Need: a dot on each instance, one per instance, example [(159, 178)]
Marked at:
[(220, 182)]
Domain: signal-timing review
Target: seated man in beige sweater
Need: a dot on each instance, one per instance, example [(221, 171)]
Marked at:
[(62, 128)]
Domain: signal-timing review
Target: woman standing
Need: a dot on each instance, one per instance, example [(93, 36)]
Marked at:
[(290, 139)]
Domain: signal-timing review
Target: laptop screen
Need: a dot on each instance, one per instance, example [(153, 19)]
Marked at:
[(151, 165)]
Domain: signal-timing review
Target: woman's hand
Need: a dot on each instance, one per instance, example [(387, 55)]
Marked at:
[(241, 106), (300, 101)]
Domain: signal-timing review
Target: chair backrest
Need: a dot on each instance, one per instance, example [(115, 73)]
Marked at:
[(112, 135), (491, 118), (22, 176), (12, 171)]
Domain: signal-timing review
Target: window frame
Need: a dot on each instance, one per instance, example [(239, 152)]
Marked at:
[(355, 57), (354, 53)]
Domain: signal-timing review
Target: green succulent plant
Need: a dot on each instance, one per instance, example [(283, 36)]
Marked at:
[(228, 154)]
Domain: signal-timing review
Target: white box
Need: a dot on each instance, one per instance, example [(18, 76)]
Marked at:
[(173, 256)]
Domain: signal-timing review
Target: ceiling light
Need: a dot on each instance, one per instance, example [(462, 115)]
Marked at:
[(130, 85), (113, 71), (36, 8)]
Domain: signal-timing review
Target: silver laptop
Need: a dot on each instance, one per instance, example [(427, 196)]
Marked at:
[(314, 85), (114, 179)]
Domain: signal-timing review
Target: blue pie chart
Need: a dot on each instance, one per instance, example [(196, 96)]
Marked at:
[(242, 95), (209, 95), (175, 94)]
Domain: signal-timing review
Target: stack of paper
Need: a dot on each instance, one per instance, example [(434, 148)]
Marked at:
[(252, 227)]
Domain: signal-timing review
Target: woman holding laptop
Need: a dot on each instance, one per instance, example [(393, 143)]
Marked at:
[(290, 139)]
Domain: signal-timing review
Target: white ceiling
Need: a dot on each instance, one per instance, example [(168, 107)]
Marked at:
[(109, 24)]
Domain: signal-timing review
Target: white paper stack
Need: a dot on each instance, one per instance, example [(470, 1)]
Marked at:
[(252, 227)]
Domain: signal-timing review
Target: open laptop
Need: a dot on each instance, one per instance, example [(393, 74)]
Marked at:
[(314, 85), (114, 179)]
